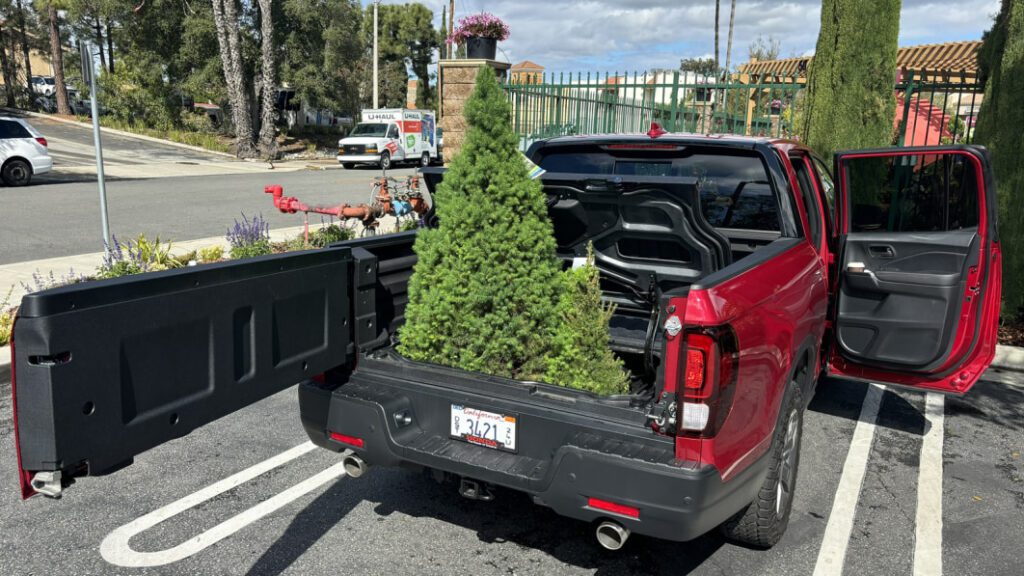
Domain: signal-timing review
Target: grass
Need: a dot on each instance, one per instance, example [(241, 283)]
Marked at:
[(6, 318), (207, 140)]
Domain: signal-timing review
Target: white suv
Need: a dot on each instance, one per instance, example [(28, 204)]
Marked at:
[(23, 152)]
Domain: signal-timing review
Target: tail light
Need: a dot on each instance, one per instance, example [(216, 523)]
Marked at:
[(708, 381), (42, 141)]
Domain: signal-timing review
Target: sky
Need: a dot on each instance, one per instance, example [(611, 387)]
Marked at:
[(609, 35)]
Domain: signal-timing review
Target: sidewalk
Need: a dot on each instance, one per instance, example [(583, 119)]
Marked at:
[(15, 273)]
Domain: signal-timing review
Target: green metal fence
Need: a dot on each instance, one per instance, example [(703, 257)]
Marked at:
[(552, 105), (930, 111), (936, 108)]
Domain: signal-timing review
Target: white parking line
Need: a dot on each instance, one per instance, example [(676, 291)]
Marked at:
[(928, 533), (115, 547), (832, 554)]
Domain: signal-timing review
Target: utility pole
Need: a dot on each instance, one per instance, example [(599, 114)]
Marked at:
[(451, 27), (376, 83)]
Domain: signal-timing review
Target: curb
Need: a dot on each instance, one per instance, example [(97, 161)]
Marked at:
[(122, 133), (5, 356), (1009, 358)]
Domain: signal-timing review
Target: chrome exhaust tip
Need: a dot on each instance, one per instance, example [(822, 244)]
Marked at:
[(611, 535), (354, 466)]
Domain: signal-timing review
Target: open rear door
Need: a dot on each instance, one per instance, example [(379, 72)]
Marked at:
[(106, 370), (920, 269)]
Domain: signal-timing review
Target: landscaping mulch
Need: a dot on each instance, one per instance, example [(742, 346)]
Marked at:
[(1011, 332)]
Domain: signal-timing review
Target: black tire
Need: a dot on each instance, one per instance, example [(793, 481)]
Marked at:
[(348, 165), (762, 523), (16, 172), (385, 160), (425, 160)]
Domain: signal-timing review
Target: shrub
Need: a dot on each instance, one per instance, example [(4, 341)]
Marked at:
[(136, 257), (487, 293), (330, 234), (211, 254), (42, 282), (249, 238), (482, 296), (6, 318), (581, 357)]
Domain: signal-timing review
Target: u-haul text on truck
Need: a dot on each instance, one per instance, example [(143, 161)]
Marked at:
[(391, 135)]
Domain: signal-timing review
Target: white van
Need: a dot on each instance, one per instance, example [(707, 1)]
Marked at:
[(383, 137)]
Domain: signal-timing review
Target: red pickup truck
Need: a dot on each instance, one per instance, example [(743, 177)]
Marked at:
[(741, 271)]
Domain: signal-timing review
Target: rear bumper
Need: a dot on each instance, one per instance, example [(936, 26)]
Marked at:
[(359, 158), (677, 500), (41, 164)]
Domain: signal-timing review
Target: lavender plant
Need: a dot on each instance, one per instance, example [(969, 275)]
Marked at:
[(136, 257), (49, 280), (249, 238)]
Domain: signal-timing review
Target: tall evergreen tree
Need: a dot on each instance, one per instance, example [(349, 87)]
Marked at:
[(850, 101), (487, 293), (483, 293), (999, 125)]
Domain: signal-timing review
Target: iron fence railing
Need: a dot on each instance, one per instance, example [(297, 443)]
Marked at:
[(546, 105)]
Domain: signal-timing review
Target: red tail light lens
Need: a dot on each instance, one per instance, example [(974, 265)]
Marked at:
[(613, 507), (42, 141), (350, 440), (709, 377)]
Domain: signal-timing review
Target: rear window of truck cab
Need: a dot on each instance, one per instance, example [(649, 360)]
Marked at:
[(734, 185)]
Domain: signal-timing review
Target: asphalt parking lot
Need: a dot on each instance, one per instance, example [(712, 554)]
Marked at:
[(305, 517)]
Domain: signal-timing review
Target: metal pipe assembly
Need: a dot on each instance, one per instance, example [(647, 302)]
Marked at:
[(389, 197)]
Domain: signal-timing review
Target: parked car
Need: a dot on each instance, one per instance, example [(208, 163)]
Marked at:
[(43, 85), (23, 152), (740, 271)]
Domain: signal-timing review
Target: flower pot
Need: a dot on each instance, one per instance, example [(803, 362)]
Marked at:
[(481, 48)]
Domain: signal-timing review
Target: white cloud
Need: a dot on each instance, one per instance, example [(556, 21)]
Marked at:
[(591, 35)]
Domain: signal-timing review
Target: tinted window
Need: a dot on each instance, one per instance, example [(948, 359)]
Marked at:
[(828, 188), (808, 195), (393, 131), (918, 193), (11, 129), (733, 184)]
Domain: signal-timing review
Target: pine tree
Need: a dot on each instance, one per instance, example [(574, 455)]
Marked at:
[(850, 101), (487, 293), (581, 357), (484, 291), (999, 123)]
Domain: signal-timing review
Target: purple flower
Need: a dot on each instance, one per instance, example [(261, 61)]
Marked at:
[(249, 232), (482, 25)]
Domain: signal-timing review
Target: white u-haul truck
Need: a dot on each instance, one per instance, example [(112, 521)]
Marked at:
[(384, 137)]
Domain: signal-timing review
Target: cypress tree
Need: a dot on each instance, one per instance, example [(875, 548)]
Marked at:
[(484, 290), (999, 125), (850, 102)]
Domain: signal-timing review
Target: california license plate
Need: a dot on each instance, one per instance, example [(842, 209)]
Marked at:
[(483, 428)]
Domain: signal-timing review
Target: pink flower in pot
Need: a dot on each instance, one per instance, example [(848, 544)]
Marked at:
[(480, 33)]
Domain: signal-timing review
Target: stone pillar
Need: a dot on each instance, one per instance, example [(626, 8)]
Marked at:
[(457, 78)]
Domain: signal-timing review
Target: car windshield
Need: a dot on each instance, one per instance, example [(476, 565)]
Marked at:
[(378, 130)]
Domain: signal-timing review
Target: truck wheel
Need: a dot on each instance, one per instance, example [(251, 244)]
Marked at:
[(16, 172), (763, 522), (385, 160), (348, 165), (425, 160)]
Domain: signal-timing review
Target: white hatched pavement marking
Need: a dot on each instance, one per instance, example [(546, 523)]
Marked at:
[(832, 554), (115, 548), (928, 532)]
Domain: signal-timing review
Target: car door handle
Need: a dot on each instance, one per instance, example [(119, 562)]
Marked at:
[(882, 251)]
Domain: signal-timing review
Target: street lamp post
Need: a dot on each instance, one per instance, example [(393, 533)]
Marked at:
[(376, 83)]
